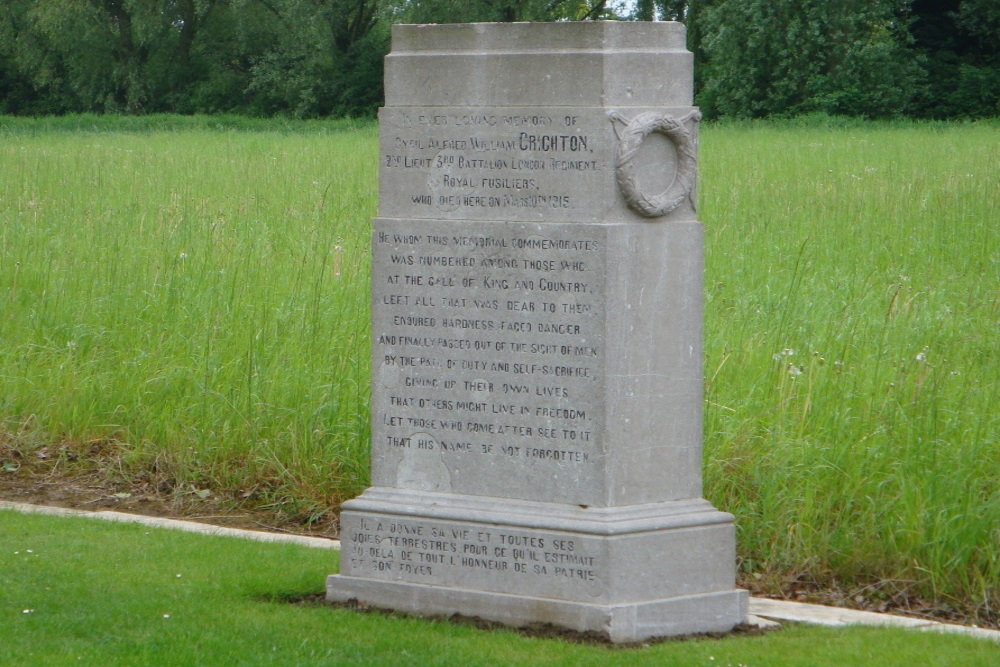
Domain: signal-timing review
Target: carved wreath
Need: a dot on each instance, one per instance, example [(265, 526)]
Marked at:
[(629, 141)]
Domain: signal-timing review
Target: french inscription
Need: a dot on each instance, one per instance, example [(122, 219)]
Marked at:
[(488, 342), (447, 552)]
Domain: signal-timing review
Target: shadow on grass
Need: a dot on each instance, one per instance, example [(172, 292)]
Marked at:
[(530, 630)]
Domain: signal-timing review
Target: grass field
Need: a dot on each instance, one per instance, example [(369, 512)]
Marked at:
[(198, 297), (75, 591), (853, 353), (190, 298)]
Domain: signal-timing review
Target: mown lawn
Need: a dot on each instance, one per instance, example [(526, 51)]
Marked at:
[(77, 591)]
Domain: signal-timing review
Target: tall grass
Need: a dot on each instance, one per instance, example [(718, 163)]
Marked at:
[(853, 295), (198, 294)]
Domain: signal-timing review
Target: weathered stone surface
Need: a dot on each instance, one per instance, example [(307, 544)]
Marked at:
[(548, 164), (536, 333), (493, 374), (610, 556), (633, 622), (530, 64)]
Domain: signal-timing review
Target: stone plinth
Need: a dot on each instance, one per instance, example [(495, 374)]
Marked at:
[(537, 338)]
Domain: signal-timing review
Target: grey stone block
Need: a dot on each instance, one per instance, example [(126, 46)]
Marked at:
[(537, 338), (594, 63)]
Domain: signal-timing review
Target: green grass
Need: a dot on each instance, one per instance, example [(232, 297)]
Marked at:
[(115, 594), (199, 296), (191, 295), (111, 124), (853, 294)]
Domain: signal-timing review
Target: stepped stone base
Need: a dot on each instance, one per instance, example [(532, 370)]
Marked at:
[(627, 573), (712, 612)]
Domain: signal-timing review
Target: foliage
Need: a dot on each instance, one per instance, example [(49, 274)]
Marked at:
[(324, 59), (303, 57), (661, 10), (960, 43), (311, 58), (469, 11), (768, 57)]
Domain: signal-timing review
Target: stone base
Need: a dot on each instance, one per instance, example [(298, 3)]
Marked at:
[(712, 612), (628, 573)]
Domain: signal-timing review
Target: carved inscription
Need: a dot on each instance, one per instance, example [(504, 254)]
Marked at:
[(488, 348), (453, 553), (475, 164)]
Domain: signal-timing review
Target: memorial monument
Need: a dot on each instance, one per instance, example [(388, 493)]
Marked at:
[(537, 338)]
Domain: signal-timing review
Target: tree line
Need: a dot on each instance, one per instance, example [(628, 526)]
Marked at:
[(312, 58)]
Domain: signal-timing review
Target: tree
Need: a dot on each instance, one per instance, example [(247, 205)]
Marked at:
[(960, 43), (16, 94), (937, 58), (105, 55), (471, 11), (660, 10), (764, 57), (326, 58), (305, 57)]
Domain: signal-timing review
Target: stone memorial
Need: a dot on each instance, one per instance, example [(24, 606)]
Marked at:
[(537, 338)]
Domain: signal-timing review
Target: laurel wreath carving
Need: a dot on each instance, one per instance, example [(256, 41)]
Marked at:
[(629, 141)]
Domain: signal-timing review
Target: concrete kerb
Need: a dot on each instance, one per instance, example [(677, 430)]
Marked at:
[(764, 612), (174, 524), (814, 614)]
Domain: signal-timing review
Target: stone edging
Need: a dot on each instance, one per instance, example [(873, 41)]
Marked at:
[(764, 612), (837, 617), (174, 524)]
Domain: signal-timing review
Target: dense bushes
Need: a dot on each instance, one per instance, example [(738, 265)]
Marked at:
[(310, 58), (300, 57)]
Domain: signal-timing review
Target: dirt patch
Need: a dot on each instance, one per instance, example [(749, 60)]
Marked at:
[(55, 478), (887, 597)]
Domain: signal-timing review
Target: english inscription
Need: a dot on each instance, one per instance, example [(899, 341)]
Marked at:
[(539, 163), (488, 348)]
